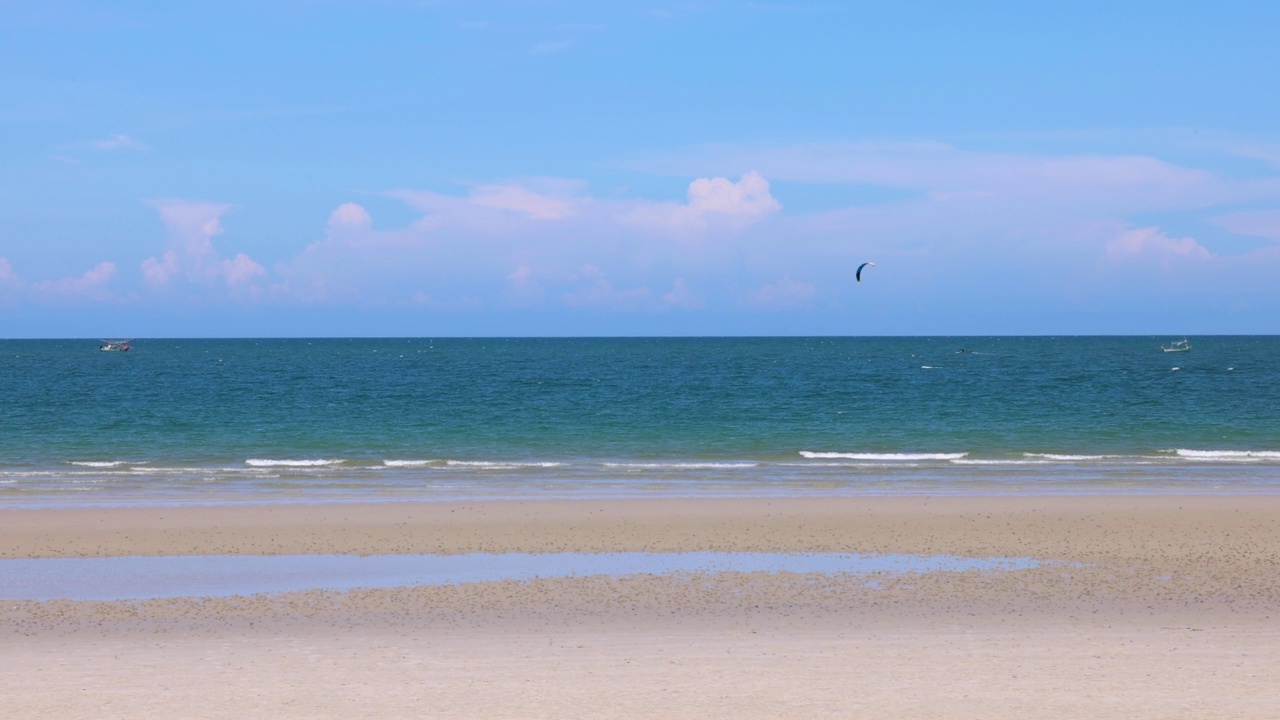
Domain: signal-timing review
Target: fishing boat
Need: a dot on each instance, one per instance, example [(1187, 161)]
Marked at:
[(1177, 346), (115, 345)]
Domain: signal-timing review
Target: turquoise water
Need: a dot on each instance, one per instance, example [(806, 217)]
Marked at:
[(232, 420)]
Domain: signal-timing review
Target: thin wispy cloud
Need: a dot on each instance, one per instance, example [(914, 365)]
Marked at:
[(1254, 223), (553, 46), (119, 142), (783, 293)]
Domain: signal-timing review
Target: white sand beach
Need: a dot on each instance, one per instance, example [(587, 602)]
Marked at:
[(1151, 607)]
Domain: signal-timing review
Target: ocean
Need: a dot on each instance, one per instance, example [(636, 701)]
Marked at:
[(228, 421)]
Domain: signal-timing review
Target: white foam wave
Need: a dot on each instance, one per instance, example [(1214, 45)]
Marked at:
[(993, 461), (100, 463), (258, 462), (409, 463), (1056, 456), (683, 465), (1236, 455), (881, 456), (859, 465), (500, 465)]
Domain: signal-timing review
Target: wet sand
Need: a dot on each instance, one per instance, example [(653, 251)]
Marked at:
[(1152, 607)]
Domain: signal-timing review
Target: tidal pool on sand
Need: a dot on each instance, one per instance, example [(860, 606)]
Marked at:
[(138, 578)]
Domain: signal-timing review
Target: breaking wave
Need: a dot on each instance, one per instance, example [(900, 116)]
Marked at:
[(881, 456)]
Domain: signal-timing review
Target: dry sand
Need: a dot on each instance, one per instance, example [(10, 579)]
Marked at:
[(1153, 607)]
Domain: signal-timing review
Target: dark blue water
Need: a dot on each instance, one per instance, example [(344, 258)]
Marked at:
[(212, 420)]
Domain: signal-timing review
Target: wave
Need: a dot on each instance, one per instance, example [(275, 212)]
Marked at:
[(101, 463), (257, 462), (859, 465), (1056, 456), (994, 461), (409, 463), (1236, 455), (682, 465), (500, 465), (881, 456)]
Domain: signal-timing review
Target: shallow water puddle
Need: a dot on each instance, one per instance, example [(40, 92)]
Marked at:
[(137, 578)]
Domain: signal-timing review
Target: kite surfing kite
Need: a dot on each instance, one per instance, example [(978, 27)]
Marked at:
[(858, 274)]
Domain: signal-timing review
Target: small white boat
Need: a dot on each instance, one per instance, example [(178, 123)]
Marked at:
[(115, 345), (1177, 346)]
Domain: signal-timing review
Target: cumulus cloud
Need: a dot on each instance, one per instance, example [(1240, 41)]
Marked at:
[(7, 274), (749, 196), (349, 216), (546, 242), (531, 241), (522, 288), (711, 201), (1150, 243), (595, 290), (681, 297), (158, 271), (89, 286), (240, 270), (10, 283), (189, 231), (351, 262)]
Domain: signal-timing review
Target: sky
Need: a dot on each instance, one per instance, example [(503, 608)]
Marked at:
[(303, 168)]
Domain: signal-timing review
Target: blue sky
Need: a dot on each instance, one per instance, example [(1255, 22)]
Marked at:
[(313, 167)]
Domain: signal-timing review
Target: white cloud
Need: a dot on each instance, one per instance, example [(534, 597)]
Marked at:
[(1029, 182), (89, 286), (352, 263), (7, 274), (522, 200), (10, 283), (523, 288), (241, 269), (1150, 243), (119, 142), (784, 293), (158, 272), (497, 207), (681, 297), (545, 242), (423, 299), (711, 201), (1257, 223), (189, 231), (749, 196), (350, 215), (596, 291)]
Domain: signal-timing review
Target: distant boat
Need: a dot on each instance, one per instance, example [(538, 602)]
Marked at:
[(1178, 346), (115, 345)]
